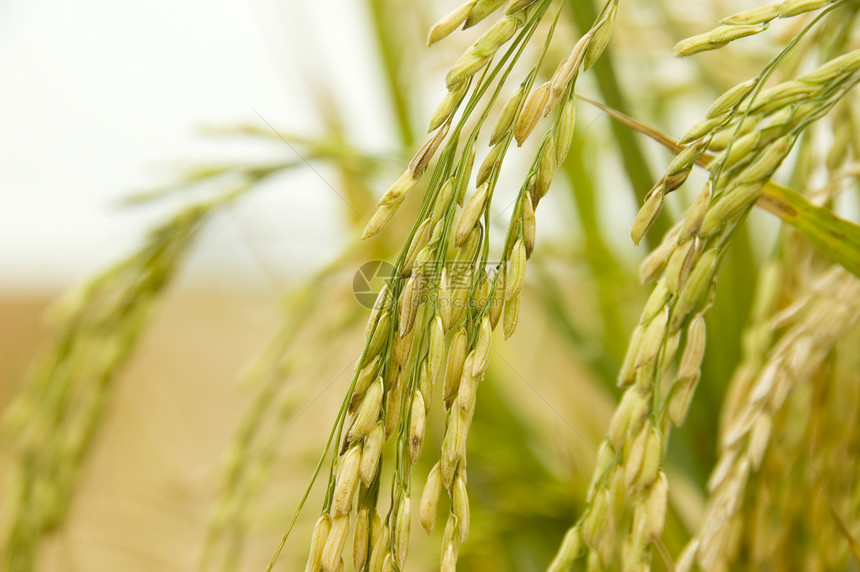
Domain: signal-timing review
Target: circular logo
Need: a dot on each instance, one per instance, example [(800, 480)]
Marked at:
[(369, 280)]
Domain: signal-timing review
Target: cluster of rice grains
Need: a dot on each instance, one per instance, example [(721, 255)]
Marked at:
[(746, 135), (433, 322), (818, 321)]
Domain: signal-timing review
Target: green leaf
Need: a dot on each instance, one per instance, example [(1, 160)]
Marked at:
[(838, 238)]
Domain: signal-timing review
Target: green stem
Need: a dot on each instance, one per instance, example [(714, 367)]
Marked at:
[(605, 269), (632, 157), (390, 50)]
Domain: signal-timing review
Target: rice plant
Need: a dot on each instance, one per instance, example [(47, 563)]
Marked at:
[(709, 377)]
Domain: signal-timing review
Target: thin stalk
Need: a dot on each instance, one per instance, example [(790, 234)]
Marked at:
[(601, 260), (632, 157), (390, 50)]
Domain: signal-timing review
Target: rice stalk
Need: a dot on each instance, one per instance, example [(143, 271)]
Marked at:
[(429, 299), (819, 321), (801, 495), (55, 418), (629, 471), (838, 238), (748, 23)]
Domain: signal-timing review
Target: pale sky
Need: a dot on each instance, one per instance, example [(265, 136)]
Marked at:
[(100, 97)]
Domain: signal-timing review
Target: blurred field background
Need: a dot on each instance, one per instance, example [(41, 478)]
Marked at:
[(317, 108), (148, 486), (144, 495)]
